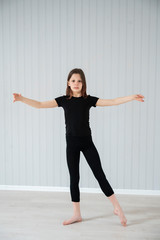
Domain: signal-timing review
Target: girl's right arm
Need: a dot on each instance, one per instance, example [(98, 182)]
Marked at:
[(34, 103)]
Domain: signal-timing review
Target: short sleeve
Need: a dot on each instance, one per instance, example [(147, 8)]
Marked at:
[(92, 100), (59, 100)]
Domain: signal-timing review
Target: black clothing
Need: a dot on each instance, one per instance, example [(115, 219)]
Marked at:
[(86, 145), (79, 138), (76, 111)]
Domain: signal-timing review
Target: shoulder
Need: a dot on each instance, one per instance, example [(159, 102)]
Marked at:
[(91, 97), (61, 97), (92, 100), (61, 100)]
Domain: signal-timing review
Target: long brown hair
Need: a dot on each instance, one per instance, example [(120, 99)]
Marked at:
[(69, 92)]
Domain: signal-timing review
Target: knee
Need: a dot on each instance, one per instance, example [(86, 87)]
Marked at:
[(99, 175)]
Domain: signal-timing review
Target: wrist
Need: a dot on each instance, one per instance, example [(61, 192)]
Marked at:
[(133, 97), (21, 98)]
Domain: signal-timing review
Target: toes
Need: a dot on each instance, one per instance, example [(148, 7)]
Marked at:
[(124, 223), (64, 223), (70, 221)]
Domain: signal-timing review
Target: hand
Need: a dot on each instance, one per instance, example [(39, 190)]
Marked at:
[(138, 97), (17, 97)]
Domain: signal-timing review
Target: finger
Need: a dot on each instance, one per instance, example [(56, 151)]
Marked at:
[(140, 96)]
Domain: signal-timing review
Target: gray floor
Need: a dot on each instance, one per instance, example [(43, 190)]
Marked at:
[(39, 215)]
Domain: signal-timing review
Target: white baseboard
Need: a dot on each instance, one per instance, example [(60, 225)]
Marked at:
[(85, 190)]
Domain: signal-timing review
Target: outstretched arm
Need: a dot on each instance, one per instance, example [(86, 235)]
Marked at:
[(119, 100), (31, 102), (34, 103)]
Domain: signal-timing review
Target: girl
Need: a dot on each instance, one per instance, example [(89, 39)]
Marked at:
[(76, 104)]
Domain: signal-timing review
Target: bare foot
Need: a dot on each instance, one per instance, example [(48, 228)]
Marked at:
[(119, 212), (73, 220)]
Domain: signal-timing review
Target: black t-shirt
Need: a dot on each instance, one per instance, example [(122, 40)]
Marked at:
[(76, 112)]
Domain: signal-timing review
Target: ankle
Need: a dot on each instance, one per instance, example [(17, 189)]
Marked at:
[(76, 209), (114, 201), (77, 214)]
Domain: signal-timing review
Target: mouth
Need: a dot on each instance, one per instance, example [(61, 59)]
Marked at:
[(76, 88)]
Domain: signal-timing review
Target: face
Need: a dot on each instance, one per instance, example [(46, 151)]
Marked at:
[(75, 83)]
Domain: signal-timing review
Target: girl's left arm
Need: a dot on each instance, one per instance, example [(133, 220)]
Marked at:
[(119, 100)]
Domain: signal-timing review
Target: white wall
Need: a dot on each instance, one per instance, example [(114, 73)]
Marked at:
[(117, 44)]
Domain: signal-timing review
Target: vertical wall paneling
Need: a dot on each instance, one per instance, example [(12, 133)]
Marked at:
[(117, 44)]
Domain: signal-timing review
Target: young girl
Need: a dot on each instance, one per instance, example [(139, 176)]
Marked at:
[(76, 104)]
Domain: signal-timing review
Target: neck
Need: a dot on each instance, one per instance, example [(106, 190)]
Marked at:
[(77, 94)]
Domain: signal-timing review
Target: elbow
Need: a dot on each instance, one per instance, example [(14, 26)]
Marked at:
[(39, 105), (114, 102)]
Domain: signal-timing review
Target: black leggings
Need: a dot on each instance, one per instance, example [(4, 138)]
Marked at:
[(75, 144)]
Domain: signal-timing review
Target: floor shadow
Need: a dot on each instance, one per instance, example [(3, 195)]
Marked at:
[(96, 217), (141, 212)]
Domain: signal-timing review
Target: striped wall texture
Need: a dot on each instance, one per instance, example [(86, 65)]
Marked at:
[(117, 44)]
